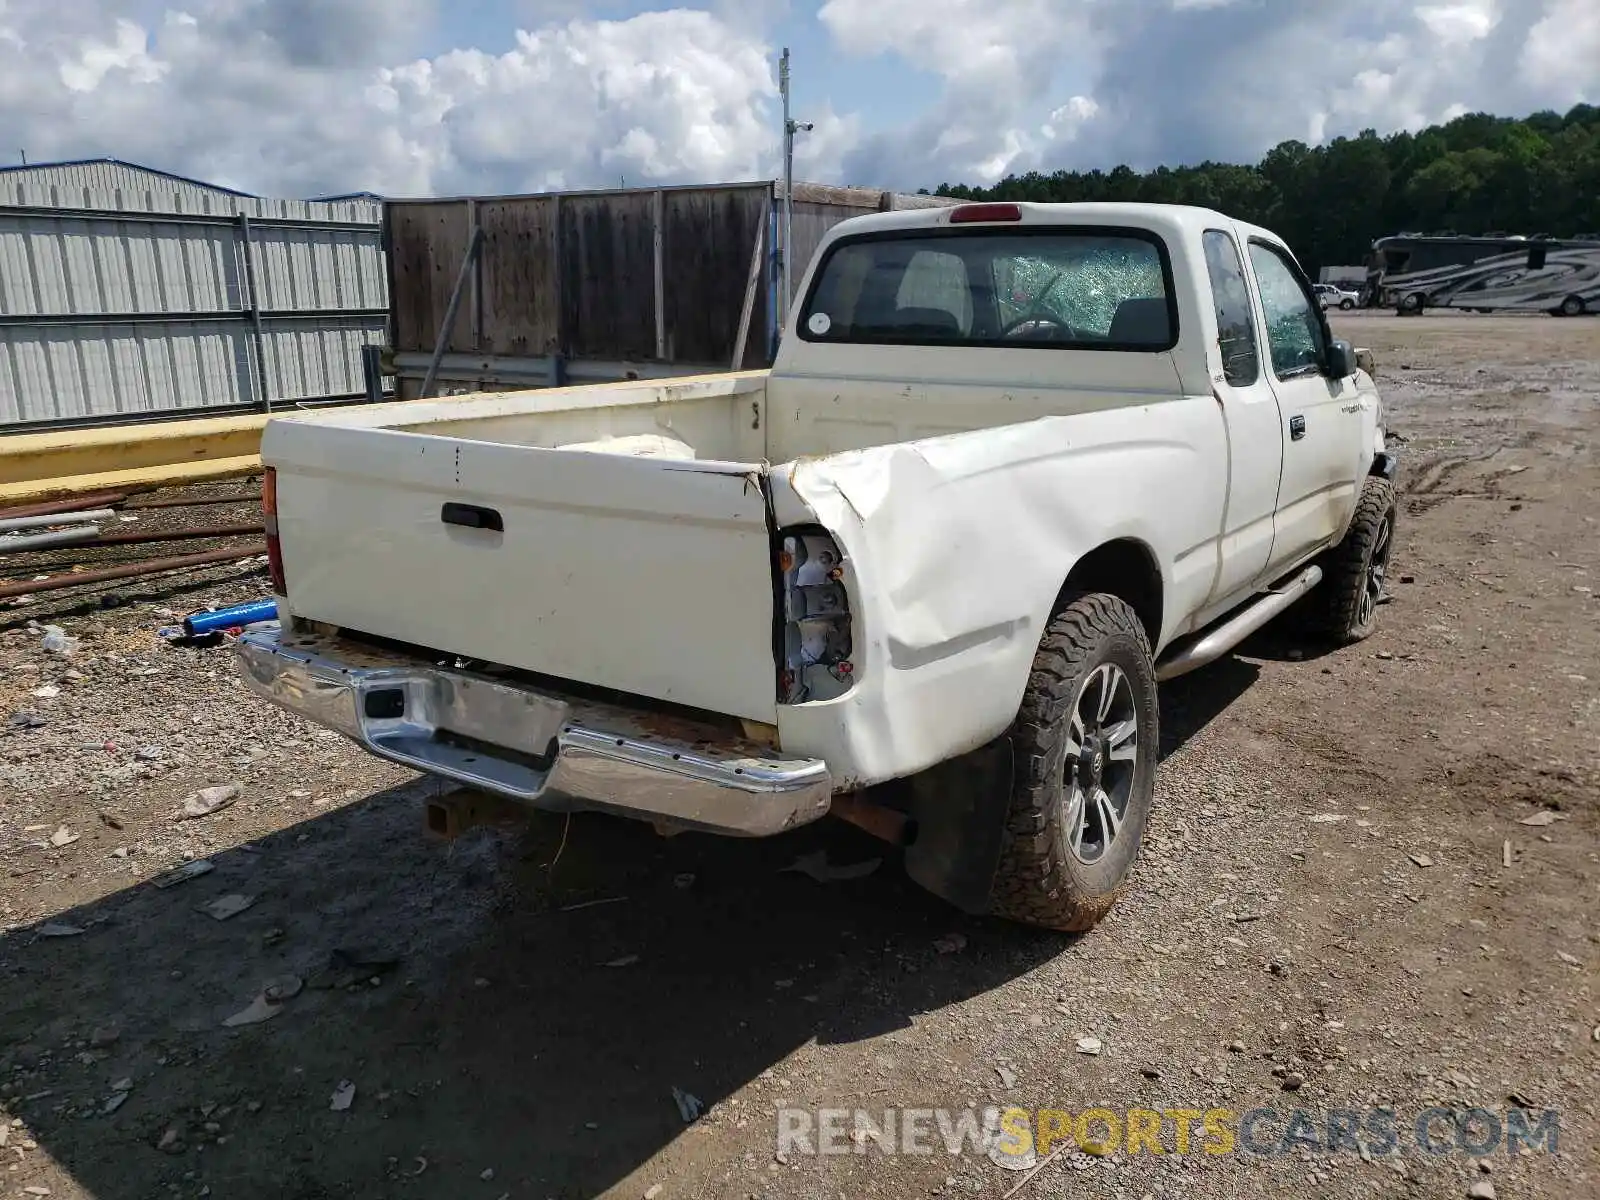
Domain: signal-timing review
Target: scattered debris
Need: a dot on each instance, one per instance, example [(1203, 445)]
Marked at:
[(689, 1107), (1008, 1077), (343, 1096), (1482, 1189), (951, 943), (1293, 1081), (627, 960), (1090, 1045), (593, 903), (63, 837), (1505, 853), (172, 1141), (1422, 860), (268, 1003), (207, 801), (192, 869), (48, 691), (817, 866), (1327, 818), (224, 907), (1569, 959), (104, 1035), (27, 720), (113, 1102), (56, 641), (58, 929), (1541, 818), (109, 819), (653, 1191), (347, 968)]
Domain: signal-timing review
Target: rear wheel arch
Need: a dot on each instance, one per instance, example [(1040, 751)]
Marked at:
[(1128, 569)]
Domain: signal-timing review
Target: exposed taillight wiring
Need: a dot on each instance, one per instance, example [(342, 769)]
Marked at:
[(817, 629)]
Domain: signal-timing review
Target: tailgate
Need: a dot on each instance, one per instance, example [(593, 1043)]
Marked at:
[(650, 576)]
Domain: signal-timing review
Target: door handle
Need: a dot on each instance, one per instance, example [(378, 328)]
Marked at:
[(1297, 428), (472, 516)]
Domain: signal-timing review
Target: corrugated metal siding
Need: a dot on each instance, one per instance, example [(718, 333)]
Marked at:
[(306, 362), (125, 187), (55, 372), (57, 268)]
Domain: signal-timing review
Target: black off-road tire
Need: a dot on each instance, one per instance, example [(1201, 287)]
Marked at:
[(1572, 306), (1346, 305), (1039, 880), (1349, 609)]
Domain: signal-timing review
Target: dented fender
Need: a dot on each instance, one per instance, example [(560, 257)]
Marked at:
[(956, 548)]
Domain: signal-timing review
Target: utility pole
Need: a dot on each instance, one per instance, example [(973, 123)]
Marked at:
[(790, 128)]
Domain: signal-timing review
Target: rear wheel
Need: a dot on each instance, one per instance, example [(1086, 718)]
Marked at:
[(1346, 304), (1572, 306), (1084, 746), (1355, 572), (1411, 304)]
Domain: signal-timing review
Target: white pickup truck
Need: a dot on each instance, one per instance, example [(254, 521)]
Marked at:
[(1014, 464)]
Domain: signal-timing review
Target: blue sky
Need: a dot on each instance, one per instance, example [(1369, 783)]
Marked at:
[(417, 97)]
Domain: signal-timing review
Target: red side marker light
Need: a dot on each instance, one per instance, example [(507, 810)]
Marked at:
[(969, 214)]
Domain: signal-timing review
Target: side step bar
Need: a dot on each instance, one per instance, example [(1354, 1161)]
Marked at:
[(1218, 641)]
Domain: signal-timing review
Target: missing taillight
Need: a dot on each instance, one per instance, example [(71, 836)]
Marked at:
[(269, 518), (817, 632)]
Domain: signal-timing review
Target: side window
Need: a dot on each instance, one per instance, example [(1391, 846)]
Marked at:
[(937, 282), (1236, 325), (1294, 327)]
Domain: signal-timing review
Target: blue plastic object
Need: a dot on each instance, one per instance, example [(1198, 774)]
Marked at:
[(227, 618)]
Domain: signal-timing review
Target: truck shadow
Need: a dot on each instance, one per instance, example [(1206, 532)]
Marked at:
[(521, 1002)]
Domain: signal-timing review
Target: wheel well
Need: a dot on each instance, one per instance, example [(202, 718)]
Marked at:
[(1127, 570)]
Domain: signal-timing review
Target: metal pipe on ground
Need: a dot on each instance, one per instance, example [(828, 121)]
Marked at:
[(74, 505), (21, 543), (178, 535), (201, 502), (153, 566), (45, 520)]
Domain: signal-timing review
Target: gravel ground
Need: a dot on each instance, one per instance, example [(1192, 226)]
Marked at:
[(1370, 881)]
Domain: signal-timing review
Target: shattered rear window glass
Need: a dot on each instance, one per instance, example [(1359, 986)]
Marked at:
[(1074, 289)]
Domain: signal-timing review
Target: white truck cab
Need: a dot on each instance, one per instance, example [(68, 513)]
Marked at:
[(1014, 463)]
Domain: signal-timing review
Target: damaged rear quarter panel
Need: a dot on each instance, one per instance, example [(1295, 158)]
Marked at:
[(957, 548)]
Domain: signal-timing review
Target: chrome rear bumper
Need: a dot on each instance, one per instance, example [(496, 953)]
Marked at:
[(548, 750)]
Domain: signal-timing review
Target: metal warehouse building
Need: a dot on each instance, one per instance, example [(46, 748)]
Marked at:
[(129, 292)]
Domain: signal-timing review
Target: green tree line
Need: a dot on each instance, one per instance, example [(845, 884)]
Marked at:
[(1476, 174)]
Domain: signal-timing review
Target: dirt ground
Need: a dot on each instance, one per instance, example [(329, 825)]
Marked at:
[(1371, 880)]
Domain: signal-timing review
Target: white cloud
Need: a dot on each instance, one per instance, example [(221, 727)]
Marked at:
[(128, 51), (1456, 24), (1561, 57), (303, 96), (295, 97), (1066, 121)]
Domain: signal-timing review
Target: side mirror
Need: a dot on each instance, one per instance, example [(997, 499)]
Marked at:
[(1341, 360)]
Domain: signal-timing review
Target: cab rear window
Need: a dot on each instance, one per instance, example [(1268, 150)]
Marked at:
[(1082, 289)]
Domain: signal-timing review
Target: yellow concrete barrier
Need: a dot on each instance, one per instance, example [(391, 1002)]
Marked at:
[(34, 459), (136, 479)]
